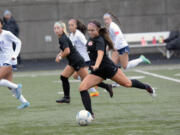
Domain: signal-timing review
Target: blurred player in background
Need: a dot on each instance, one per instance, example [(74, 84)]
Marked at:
[(121, 53), (11, 25), (8, 58)]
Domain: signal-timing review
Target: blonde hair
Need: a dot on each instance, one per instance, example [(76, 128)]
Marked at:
[(62, 25)]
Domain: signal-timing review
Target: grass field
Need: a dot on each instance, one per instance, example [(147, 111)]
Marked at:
[(130, 112)]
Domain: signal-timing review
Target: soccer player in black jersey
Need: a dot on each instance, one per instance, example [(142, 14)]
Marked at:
[(103, 67), (75, 62)]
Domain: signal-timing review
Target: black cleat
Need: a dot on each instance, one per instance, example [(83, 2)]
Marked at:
[(151, 91), (110, 90), (63, 100)]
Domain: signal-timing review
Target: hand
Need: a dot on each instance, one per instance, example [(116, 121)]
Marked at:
[(58, 59), (94, 67)]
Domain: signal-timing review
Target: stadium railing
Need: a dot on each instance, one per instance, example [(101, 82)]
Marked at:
[(135, 42)]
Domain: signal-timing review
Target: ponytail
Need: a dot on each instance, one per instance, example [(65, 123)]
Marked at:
[(114, 17), (104, 33), (80, 26)]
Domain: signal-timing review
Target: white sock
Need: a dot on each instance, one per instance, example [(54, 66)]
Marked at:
[(134, 63), (79, 78), (7, 83), (92, 89), (22, 99)]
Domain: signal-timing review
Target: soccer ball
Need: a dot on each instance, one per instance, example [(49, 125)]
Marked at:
[(83, 118)]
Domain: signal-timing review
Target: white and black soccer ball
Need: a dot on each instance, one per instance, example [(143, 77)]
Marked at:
[(84, 118)]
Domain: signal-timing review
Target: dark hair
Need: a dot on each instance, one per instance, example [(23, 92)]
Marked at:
[(105, 34), (114, 17), (81, 26), (1, 21)]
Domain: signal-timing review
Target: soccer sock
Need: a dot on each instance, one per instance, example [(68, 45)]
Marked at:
[(13, 91), (86, 101), (66, 86), (7, 83), (138, 84), (103, 85), (134, 63), (22, 99), (92, 89)]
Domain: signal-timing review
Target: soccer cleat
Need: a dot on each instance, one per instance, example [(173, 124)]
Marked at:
[(93, 117), (145, 60), (18, 91), (94, 94), (109, 89), (24, 105), (151, 91), (63, 100)]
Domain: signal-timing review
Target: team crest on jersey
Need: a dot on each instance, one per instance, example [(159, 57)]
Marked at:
[(90, 43)]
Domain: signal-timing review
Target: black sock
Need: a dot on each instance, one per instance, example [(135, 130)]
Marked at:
[(138, 84), (86, 101), (66, 86), (103, 85)]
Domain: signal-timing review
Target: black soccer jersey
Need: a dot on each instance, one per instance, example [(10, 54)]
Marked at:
[(95, 44), (74, 55)]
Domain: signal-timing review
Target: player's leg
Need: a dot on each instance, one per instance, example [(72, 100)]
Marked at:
[(124, 59), (107, 87), (84, 72), (121, 78), (24, 102), (115, 57), (4, 71), (67, 72), (88, 82), (126, 64), (6, 76), (76, 76)]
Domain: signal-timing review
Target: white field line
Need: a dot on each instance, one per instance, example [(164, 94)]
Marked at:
[(177, 74), (71, 81), (37, 74), (136, 77), (158, 76), (159, 67)]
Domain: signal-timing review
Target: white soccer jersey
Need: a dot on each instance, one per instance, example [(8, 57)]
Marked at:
[(79, 42), (117, 36), (6, 50)]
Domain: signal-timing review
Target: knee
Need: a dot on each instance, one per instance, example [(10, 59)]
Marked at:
[(82, 86), (128, 84), (124, 67), (75, 76)]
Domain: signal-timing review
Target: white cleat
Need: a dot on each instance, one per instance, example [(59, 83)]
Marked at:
[(153, 94)]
